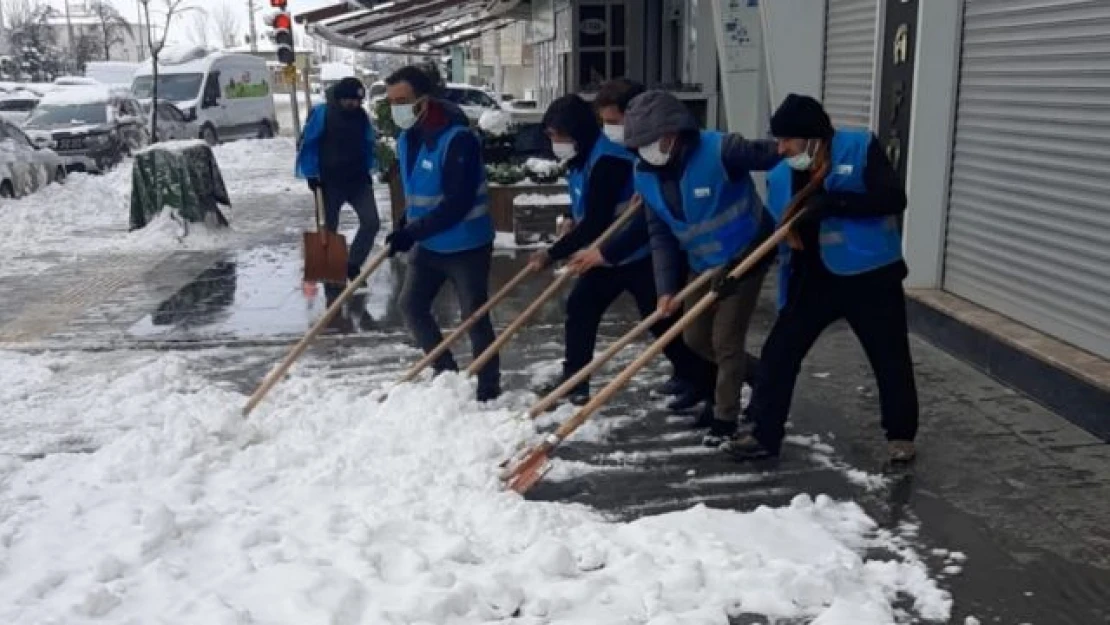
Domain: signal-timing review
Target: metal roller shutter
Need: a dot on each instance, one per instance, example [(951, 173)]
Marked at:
[(1029, 207), (850, 30)]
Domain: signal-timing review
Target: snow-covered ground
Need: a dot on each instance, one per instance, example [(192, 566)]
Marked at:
[(327, 507), (132, 492), (90, 214)]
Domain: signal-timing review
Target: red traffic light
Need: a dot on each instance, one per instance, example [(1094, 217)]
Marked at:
[(282, 21)]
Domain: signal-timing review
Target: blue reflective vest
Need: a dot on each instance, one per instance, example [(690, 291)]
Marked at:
[(721, 215), (848, 246), (424, 193), (577, 183)]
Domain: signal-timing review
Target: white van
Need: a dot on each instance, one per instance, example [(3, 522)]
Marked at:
[(225, 95)]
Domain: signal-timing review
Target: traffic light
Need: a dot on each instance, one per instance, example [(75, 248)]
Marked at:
[(283, 37)]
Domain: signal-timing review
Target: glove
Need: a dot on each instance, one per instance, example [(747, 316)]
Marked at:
[(399, 241), (725, 285), (313, 184)]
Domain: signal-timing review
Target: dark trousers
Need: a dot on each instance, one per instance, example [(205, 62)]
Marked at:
[(592, 295), (876, 312), (468, 273), (360, 195)]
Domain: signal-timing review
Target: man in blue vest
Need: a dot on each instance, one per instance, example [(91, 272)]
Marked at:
[(336, 155), (849, 267), (704, 207), (599, 177), (446, 217)]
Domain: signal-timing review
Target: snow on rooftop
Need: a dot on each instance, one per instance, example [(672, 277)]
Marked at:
[(84, 94), (336, 71)]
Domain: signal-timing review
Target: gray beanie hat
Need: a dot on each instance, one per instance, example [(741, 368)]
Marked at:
[(653, 114)]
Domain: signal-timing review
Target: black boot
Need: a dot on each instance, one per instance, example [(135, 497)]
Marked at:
[(719, 432), (705, 416), (674, 386), (686, 401), (745, 448)]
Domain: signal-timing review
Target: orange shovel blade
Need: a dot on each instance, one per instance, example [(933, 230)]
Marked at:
[(526, 474)]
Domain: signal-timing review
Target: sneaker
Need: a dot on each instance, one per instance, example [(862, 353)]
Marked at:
[(719, 432), (901, 452), (673, 387), (745, 447), (685, 402)]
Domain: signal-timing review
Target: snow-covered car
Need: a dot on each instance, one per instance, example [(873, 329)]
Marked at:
[(472, 100), (24, 166), (16, 106), (172, 125), (92, 128)]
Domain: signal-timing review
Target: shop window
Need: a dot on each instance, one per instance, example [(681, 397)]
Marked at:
[(601, 36)]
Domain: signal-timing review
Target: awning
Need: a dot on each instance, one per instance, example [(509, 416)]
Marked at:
[(431, 23)]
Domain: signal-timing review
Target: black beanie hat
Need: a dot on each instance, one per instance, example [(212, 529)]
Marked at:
[(349, 88), (802, 117)]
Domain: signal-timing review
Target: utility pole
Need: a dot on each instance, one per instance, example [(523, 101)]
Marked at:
[(69, 34), (142, 31), (254, 31)]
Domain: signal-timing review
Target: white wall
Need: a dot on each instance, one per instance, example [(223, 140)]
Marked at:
[(795, 45)]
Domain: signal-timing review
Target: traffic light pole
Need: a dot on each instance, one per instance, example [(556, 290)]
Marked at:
[(293, 101)]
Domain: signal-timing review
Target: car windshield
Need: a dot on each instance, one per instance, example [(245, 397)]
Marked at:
[(61, 114), (174, 87), (17, 105)]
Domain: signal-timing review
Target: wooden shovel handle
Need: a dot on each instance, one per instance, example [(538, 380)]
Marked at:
[(272, 378), (703, 304), (615, 348), (318, 196), (551, 290)]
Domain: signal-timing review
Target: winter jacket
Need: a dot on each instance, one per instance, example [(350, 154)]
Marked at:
[(337, 133), (445, 182), (703, 204), (858, 231)]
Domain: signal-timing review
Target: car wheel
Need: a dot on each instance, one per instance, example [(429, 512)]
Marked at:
[(209, 135), (6, 190), (60, 175), (265, 131)]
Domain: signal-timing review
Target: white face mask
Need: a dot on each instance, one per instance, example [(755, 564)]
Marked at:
[(802, 161), (403, 115), (654, 154), (615, 132), (564, 151)]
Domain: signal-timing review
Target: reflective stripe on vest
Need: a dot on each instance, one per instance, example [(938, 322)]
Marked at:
[(578, 181), (720, 216), (848, 246), (424, 194)]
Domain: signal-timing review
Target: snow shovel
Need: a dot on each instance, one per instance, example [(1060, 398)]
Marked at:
[(550, 291), (325, 252), (526, 469), (272, 378)]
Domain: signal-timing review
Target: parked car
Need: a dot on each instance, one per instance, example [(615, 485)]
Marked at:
[(92, 128), (172, 125), (24, 166), (227, 95), (472, 100), (16, 106)]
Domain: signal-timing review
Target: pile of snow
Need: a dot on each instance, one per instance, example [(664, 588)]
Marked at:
[(495, 122), (541, 199), (85, 94), (541, 166), (326, 507)]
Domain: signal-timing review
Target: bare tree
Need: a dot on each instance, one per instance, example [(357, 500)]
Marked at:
[(167, 10), (199, 32), (227, 23), (112, 25)]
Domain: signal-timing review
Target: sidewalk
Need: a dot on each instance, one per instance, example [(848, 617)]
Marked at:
[(1010, 501)]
